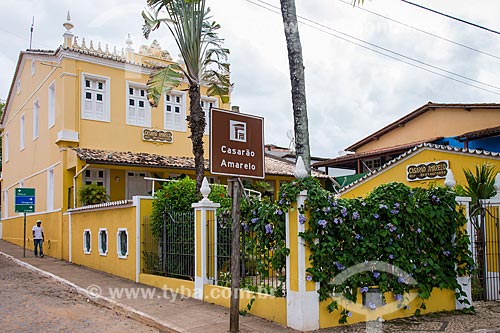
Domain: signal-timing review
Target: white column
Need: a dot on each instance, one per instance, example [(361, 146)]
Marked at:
[(202, 210), (301, 295)]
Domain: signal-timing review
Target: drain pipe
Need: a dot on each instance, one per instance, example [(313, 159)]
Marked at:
[(74, 183)]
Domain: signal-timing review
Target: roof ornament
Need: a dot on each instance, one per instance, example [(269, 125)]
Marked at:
[(205, 191), (68, 34)]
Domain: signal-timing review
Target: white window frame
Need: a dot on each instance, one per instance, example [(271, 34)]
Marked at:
[(33, 68), (51, 112), (36, 113), (6, 147), (5, 203), (93, 91), (50, 189), (21, 132), (205, 106), (99, 241), (137, 99), (85, 251), (178, 124), (119, 245)]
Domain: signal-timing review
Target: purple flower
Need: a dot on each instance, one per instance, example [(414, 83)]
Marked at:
[(278, 212), (435, 199), (309, 278), (363, 204), (355, 215), (382, 206), (398, 297), (391, 256), (280, 202), (357, 236), (394, 211), (372, 306), (396, 205), (363, 289), (376, 275), (391, 227), (349, 314), (337, 220), (322, 223), (401, 280), (326, 209), (302, 219), (376, 216), (254, 220), (344, 212), (419, 230), (340, 267), (254, 212), (269, 228), (446, 253), (245, 226)]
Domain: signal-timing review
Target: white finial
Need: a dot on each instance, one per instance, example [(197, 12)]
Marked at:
[(497, 183), (450, 179), (68, 25), (300, 169), (205, 190), (68, 34), (129, 42)]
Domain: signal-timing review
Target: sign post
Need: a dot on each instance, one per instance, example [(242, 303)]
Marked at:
[(24, 203), (236, 149)]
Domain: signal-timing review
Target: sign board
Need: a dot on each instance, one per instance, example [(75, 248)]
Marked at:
[(236, 144), (154, 135), (430, 170), (24, 200)]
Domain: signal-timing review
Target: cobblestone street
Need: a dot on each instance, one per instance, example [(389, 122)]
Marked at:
[(30, 302)]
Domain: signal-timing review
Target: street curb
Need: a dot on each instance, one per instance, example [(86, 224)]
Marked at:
[(101, 300)]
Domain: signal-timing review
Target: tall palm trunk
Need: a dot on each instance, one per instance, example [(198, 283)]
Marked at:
[(297, 78), (197, 126)]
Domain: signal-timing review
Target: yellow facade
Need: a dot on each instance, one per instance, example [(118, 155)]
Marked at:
[(396, 171)]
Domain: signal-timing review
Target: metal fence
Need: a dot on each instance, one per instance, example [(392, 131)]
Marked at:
[(257, 272), (170, 252), (484, 232)]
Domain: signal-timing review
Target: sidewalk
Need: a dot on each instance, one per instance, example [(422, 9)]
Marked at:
[(167, 312)]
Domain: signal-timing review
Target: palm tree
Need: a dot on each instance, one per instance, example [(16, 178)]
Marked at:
[(298, 81), (204, 58)]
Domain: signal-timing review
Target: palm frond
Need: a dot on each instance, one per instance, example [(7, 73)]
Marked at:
[(162, 81)]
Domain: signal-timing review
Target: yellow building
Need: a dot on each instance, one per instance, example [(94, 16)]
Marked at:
[(80, 114)]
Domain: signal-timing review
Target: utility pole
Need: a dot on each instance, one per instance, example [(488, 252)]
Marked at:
[(234, 315)]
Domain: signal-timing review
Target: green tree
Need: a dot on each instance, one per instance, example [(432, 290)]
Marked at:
[(204, 58)]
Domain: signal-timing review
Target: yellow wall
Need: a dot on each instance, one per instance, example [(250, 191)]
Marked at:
[(265, 306), (440, 300), (182, 287), (440, 122), (397, 172), (112, 219), (52, 226)]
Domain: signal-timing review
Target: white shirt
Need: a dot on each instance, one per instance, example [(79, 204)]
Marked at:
[(38, 231)]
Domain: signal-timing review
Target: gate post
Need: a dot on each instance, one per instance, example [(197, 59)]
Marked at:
[(203, 212), (302, 299), (465, 281)]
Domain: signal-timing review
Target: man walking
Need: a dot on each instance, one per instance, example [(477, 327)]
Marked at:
[(38, 238)]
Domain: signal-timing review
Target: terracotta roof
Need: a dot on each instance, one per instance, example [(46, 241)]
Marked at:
[(421, 110), (410, 152), (273, 165), (487, 132), (384, 151)]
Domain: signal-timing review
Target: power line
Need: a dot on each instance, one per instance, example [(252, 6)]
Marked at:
[(422, 31), (277, 10), (452, 17)]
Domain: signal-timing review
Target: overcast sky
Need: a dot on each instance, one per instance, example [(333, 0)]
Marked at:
[(351, 91)]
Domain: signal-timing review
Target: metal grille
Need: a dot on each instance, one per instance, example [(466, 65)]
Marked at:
[(485, 234), (172, 253), (257, 272)]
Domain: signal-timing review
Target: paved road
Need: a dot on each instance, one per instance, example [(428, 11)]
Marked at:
[(33, 303)]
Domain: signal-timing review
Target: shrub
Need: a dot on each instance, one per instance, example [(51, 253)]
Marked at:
[(93, 194)]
